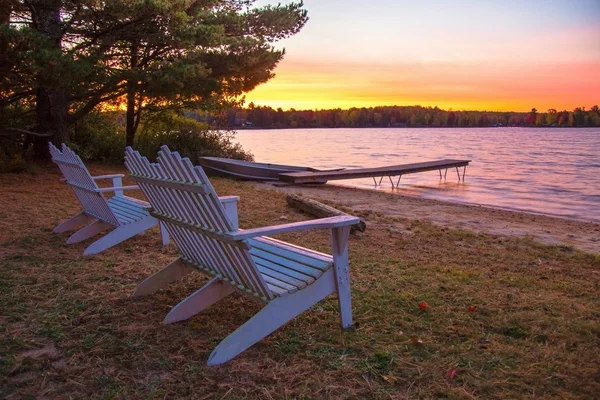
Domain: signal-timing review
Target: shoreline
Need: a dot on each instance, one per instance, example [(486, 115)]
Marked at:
[(467, 203), (547, 229)]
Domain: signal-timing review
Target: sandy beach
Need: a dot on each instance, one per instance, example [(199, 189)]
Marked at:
[(545, 229)]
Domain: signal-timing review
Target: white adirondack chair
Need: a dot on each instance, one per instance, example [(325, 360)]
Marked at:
[(127, 215), (288, 279)]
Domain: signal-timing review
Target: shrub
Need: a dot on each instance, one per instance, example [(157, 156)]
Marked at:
[(190, 138), (98, 137), (11, 157)]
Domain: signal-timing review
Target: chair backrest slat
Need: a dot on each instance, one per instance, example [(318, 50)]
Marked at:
[(85, 188), (183, 198)]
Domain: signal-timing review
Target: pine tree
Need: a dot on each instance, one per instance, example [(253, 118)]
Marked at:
[(65, 58)]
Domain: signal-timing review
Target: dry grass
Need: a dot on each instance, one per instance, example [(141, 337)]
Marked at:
[(535, 331)]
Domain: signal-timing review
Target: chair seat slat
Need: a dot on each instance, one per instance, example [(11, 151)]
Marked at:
[(308, 257), (124, 206), (280, 275), (293, 248), (288, 263), (279, 287)]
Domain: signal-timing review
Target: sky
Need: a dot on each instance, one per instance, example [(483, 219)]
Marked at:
[(510, 55)]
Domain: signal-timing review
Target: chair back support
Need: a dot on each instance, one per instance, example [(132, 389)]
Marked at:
[(78, 177), (183, 198)]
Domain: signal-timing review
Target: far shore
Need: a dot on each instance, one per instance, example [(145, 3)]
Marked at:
[(546, 229), (260, 128)]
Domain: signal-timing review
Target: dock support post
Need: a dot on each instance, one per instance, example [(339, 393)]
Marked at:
[(458, 173), (445, 173), (464, 172), (398, 183)]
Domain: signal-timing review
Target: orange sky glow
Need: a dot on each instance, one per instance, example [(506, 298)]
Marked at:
[(513, 65)]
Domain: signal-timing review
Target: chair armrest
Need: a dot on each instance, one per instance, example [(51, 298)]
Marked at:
[(117, 182), (115, 189), (108, 176), (230, 205), (331, 222), (229, 199)]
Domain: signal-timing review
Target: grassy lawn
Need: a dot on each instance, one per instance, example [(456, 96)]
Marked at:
[(439, 313)]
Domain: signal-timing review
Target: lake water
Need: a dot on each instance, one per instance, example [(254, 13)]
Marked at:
[(552, 171)]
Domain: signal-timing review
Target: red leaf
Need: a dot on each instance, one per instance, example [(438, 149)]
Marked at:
[(450, 373), (472, 308), (423, 306)]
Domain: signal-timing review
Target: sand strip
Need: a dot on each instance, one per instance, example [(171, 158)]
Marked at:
[(546, 229)]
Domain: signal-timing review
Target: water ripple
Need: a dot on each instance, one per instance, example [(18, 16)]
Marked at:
[(554, 171)]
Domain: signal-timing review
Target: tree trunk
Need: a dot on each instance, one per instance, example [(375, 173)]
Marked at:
[(131, 91), (51, 100)]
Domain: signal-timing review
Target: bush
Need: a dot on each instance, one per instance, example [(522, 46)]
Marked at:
[(98, 137), (11, 157), (101, 137), (190, 138)]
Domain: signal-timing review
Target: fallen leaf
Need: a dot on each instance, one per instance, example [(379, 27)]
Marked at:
[(472, 308), (423, 306), (450, 373), (417, 340)]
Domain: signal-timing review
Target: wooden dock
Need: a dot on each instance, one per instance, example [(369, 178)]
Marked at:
[(379, 172)]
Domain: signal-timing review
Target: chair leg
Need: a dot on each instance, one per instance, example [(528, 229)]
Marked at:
[(164, 234), (162, 278), (120, 234), (339, 246), (90, 230), (273, 316), (72, 223), (201, 299)]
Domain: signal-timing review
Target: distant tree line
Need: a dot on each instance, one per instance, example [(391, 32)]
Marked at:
[(405, 116)]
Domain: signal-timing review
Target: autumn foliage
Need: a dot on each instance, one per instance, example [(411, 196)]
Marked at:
[(407, 116)]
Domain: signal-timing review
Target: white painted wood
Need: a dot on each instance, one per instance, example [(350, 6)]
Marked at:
[(90, 230), (120, 234), (230, 204), (73, 222), (116, 189), (288, 278), (111, 176), (82, 183), (270, 318), (339, 246), (117, 183), (164, 234), (127, 215), (172, 272), (197, 221), (331, 222), (201, 299)]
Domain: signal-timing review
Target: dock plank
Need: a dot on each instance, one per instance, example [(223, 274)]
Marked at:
[(391, 170)]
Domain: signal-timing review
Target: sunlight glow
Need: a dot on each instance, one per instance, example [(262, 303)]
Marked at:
[(455, 55)]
